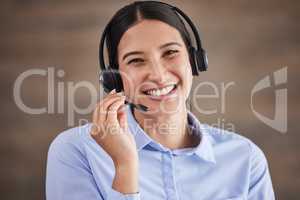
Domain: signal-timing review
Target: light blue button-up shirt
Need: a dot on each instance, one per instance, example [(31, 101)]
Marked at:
[(224, 166)]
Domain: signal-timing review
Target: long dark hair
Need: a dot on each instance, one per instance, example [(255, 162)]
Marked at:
[(131, 14)]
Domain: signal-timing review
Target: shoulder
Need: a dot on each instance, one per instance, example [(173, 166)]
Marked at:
[(234, 143), (76, 145), (69, 143), (239, 156), (76, 136)]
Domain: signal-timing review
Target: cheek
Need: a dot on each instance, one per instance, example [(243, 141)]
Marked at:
[(185, 73), (184, 67), (130, 82), (187, 78)]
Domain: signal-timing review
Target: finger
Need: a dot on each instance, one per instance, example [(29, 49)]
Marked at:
[(107, 101), (112, 111), (111, 108), (95, 113), (99, 114), (104, 104), (97, 124), (112, 92), (122, 117), (99, 117), (115, 106)]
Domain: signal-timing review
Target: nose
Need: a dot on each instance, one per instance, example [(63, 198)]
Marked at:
[(157, 72)]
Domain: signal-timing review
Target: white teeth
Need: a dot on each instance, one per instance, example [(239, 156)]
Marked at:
[(158, 92)]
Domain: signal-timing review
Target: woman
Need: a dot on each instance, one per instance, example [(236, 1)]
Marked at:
[(162, 153)]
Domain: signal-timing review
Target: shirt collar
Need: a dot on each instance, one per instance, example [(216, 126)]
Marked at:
[(141, 138), (204, 150)]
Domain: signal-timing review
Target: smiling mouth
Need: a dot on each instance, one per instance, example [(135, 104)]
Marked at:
[(161, 91)]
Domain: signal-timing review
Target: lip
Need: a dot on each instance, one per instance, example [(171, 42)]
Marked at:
[(160, 87), (172, 94)]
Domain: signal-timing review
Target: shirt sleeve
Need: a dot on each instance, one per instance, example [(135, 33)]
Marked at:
[(260, 180), (69, 177)]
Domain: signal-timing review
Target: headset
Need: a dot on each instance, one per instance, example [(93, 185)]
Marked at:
[(111, 79)]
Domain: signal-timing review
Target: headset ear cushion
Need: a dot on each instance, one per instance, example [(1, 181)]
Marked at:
[(202, 61), (111, 79), (198, 60), (193, 57)]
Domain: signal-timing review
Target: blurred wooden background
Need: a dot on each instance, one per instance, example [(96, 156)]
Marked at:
[(245, 41)]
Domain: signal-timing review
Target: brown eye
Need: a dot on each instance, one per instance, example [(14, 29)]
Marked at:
[(136, 60), (170, 52)]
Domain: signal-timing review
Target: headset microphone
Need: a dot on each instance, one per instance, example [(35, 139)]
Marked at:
[(137, 106)]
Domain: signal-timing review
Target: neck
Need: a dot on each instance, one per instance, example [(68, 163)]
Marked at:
[(170, 130)]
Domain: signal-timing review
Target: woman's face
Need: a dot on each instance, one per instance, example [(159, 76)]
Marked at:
[(154, 66)]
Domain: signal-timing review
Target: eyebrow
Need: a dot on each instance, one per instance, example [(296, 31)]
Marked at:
[(140, 52)]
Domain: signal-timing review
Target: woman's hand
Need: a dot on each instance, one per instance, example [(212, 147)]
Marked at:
[(110, 130)]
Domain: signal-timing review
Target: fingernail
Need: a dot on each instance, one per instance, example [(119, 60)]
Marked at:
[(113, 91), (123, 107)]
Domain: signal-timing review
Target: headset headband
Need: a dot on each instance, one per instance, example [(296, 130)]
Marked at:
[(180, 12)]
